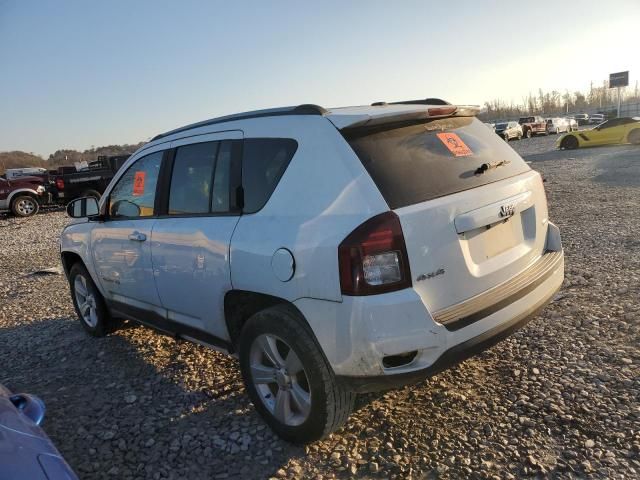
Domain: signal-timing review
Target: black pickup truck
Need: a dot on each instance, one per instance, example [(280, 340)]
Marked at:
[(88, 181)]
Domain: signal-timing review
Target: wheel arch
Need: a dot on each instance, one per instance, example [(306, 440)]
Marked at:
[(69, 259), (20, 192), (240, 305), (632, 132)]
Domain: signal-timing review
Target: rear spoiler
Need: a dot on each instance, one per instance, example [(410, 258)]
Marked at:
[(401, 112)]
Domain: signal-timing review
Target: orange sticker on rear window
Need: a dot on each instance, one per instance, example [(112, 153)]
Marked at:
[(455, 144), (138, 184)]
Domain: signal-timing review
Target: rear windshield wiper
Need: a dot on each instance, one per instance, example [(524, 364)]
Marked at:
[(489, 166)]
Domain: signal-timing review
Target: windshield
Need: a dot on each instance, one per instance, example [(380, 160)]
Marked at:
[(501, 126)]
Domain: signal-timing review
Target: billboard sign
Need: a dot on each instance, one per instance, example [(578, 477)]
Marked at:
[(620, 79)]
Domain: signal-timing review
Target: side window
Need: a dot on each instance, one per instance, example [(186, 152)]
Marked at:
[(264, 160), (135, 193), (192, 178)]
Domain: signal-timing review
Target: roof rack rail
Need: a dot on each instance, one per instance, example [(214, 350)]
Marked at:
[(304, 109), (426, 101)]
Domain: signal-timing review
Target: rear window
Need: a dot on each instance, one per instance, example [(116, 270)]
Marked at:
[(411, 164)]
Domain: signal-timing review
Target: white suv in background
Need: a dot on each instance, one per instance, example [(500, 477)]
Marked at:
[(334, 251)]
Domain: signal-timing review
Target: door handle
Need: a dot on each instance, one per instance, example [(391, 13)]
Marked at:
[(137, 237)]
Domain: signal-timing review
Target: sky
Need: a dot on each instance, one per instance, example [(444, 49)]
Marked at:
[(77, 74)]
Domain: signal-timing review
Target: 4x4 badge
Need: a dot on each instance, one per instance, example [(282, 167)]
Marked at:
[(507, 210), (427, 276)]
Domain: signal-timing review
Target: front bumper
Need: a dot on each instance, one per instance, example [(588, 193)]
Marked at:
[(358, 333)]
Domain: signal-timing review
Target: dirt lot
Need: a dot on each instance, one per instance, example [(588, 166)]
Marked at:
[(561, 397)]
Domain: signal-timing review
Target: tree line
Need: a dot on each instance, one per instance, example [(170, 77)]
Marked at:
[(18, 159), (599, 99)]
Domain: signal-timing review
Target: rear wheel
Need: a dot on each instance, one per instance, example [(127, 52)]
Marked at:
[(519, 135), (569, 142), (506, 137), (288, 378), (634, 136), (527, 133), (24, 206), (89, 304)]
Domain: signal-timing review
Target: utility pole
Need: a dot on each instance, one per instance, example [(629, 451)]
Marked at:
[(618, 102)]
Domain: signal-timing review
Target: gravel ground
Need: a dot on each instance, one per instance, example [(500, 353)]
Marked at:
[(559, 398)]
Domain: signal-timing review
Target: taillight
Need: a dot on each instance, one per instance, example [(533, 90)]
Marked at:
[(373, 258), (59, 183)]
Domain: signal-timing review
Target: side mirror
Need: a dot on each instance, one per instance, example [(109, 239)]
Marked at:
[(83, 207)]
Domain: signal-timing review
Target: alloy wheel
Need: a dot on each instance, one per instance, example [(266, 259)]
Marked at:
[(26, 206), (280, 379), (86, 301)]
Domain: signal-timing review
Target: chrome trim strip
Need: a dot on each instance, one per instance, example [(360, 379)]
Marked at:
[(537, 272)]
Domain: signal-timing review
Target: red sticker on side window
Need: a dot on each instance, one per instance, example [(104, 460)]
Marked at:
[(138, 184), (455, 144)]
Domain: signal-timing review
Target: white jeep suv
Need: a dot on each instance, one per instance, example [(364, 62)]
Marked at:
[(334, 251)]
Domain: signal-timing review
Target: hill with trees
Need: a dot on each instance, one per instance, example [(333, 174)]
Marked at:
[(18, 159)]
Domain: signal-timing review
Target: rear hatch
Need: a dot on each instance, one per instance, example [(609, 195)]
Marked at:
[(473, 213)]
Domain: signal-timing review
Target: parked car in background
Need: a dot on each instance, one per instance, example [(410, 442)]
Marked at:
[(557, 125), (509, 130), (334, 295), (25, 450), (22, 195), (14, 173), (597, 118), (89, 180), (534, 125), (572, 124), (614, 131), (581, 118)]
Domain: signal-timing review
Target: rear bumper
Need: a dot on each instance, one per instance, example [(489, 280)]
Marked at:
[(359, 334), (449, 358)]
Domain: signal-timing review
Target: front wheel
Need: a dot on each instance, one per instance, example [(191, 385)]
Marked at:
[(288, 378), (569, 143), (528, 133), (634, 136), (88, 302), (24, 206), (506, 137)]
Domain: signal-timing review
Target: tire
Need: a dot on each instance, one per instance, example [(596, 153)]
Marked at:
[(313, 403), (569, 142), (89, 304), (24, 206), (527, 133), (634, 136), (506, 137), (91, 193), (519, 136), (557, 130)]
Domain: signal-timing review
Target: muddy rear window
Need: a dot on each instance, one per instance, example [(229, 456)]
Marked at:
[(419, 162)]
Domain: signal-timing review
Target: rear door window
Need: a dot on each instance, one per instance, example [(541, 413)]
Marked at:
[(414, 163), (192, 178), (264, 160)]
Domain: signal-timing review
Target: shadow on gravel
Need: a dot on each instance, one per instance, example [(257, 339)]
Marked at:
[(123, 406)]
